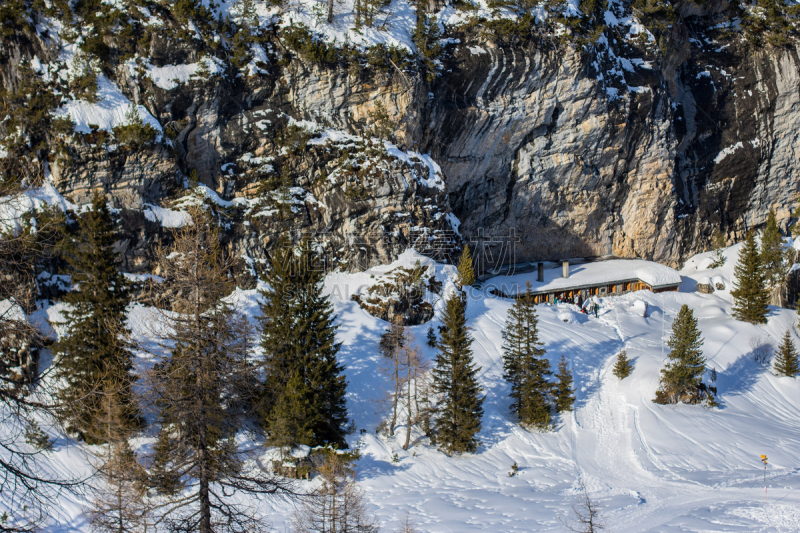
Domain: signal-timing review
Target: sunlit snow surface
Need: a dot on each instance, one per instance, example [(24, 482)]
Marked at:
[(650, 467)]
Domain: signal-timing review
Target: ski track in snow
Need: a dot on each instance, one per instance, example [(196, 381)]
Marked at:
[(651, 468)]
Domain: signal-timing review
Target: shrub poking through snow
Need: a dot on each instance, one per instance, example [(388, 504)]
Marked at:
[(761, 349), (526, 368), (750, 296), (786, 364), (587, 514), (564, 395), (623, 366), (135, 132), (681, 379), (460, 409)]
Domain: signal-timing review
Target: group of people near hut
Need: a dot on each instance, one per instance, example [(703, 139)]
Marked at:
[(587, 307)]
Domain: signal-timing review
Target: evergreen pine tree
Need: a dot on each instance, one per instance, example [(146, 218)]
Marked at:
[(298, 337), (92, 354), (277, 308), (458, 417), (750, 296), (786, 364), (526, 368), (564, 395), (773, 257), (291, 422), (623, 367), (795, 228), (466, 271), (718, 243), (681, 378), (431, 340)]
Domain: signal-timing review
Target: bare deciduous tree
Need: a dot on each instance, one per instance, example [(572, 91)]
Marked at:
[(390, 346), (118, 501), (407, 526), (24, 243), (339, 506), (415, 380), (408, 375), (587, 514), (762, 350)]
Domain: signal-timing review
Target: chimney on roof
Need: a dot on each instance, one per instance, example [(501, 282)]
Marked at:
[(540, 276), (565, 269)]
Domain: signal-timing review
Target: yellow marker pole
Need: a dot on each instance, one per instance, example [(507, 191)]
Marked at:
[(764, 460)]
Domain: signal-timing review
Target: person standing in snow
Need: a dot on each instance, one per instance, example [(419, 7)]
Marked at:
[(596, 308), (580, 300)]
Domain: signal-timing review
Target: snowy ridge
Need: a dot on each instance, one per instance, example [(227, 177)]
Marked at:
[(108, 113), (322, 136), (170, 76), (13, 208)]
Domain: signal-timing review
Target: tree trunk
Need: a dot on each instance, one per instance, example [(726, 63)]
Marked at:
[(396, 393), (330, 11), (202, 459), (409, 420)]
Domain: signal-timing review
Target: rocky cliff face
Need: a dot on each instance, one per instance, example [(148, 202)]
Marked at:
[(622, 147)]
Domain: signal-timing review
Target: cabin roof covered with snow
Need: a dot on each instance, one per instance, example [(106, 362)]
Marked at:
[(591, 274)]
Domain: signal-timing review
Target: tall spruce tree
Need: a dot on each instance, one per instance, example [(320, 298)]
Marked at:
[(525, 365), (277, 306), (681, 378), (564, 395), (750, 295), (92, 354), (773, 256), (298, 338), (458, 417), (466, 270), (786, 364)]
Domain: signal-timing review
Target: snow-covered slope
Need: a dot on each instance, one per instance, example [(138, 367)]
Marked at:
[(651, 467)]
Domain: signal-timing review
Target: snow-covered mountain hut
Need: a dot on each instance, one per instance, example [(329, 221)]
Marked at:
[(598, 278)]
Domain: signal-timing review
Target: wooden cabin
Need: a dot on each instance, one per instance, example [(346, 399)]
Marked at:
[(600, 278)]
